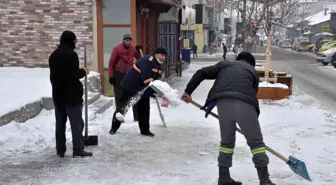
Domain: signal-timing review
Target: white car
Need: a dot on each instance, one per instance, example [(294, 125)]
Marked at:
[(325, 57)]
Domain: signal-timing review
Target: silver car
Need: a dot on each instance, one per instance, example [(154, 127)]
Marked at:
[(325, 57)]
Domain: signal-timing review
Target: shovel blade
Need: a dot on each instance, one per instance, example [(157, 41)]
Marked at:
[(298, 167), (157, 90), (91, 140)]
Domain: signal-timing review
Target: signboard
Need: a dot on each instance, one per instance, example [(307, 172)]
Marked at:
[(325, 28)]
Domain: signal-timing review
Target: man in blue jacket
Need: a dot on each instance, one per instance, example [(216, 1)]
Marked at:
[(144, 71), (235, 93)]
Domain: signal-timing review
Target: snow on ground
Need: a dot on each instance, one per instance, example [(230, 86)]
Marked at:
[(184, 153), (20, 86)]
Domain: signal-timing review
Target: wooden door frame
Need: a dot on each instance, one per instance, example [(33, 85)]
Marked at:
[(100, 36)]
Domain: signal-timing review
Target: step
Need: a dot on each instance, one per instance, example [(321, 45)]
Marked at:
[(48, 103), (99, 107)]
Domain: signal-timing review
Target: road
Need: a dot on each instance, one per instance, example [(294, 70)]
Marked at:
[(312, 77), (308, 75)]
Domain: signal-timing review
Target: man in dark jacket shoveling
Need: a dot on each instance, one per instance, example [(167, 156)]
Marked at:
[(234, 92), (67, 93)]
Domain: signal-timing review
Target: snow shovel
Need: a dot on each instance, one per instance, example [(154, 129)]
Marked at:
[(297, 166), (161, 115), (93, 139)]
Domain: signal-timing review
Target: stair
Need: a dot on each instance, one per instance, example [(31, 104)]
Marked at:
[(97, 104)]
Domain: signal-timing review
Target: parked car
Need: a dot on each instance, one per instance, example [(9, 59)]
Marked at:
[(286, 43), (302, 46), (326, 57), (329, 45)]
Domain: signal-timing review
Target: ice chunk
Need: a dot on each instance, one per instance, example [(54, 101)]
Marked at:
[(169, 92)]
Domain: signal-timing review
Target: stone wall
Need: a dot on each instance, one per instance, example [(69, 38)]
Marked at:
[(30, 29)]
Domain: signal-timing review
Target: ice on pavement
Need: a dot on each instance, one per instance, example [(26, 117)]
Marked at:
[(170, 93), (185, 153), (275, 85)]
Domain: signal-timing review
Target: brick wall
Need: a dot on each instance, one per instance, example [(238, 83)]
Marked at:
[(30, 29)]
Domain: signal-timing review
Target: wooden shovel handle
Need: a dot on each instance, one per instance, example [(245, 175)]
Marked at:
[(239, 130)]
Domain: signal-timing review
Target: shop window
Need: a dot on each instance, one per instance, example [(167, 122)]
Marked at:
[(116, 12)]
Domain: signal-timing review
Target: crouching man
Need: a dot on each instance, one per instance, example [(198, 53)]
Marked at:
[(144, 71), (234, 92)]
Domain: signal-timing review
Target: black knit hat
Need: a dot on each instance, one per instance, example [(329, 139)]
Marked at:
[(160, 50), (247, 57), (127, 36)]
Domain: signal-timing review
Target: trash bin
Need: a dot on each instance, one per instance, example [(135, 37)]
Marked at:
[(186, 55)]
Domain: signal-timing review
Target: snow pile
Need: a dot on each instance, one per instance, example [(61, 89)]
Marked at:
[(20, 86), (170, 93), (270, 85)]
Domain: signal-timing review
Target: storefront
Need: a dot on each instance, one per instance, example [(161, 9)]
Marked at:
[(137, 17)]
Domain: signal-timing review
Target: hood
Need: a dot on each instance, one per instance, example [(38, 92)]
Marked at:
[(68, 38), (329, 51)]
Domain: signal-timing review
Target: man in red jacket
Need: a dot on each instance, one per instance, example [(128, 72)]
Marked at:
[(123, 56)]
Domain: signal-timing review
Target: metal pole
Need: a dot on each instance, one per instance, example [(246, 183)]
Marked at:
[(86, 96)]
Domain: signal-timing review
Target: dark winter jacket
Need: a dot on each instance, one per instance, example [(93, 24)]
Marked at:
[(145, 70), (237, 80), (122, 59), (65, 73)]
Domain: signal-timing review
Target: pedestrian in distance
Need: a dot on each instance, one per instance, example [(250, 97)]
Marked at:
[(67, 93), (144, 71), (123, 56), (234, 92), (224, 51), (194, 50)]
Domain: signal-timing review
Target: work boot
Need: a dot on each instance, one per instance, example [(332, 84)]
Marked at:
[(225, 178), (61, 155), (148, 133), (264, 176), (81, 153)]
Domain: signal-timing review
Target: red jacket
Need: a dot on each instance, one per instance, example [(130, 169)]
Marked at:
[(122, 59)]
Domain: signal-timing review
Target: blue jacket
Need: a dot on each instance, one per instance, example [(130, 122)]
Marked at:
[(145, 70)]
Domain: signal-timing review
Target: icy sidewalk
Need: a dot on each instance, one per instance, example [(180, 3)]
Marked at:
[(185, 153)]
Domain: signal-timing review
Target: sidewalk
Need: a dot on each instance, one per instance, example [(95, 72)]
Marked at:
[(184, 153)]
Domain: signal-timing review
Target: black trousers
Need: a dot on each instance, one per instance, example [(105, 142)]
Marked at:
[(224, 56), (118, 92), (142, 107), (74, 113)]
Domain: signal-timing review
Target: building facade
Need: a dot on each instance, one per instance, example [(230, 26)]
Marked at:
[(30, 30)]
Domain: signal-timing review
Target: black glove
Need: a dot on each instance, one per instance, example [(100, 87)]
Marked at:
[(112, 80), (138, 47)]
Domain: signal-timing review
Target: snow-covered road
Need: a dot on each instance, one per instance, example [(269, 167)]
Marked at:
[(184, 153)]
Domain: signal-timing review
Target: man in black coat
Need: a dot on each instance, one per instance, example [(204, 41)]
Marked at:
[(67, 93), (234, 92)]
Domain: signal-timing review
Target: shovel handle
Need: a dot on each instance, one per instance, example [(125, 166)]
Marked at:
[(86, 97), (239, 130)]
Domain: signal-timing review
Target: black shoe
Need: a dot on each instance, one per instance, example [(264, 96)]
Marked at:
[(264, 176), (148, 134), (135, 120), (61, 155), (82, 153), (225, 178)]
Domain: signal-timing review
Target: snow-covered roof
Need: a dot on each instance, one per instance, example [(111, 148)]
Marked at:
[(318, 18)]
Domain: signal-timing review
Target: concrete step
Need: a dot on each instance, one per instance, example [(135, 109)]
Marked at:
[(48, 103), (99, 106)]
